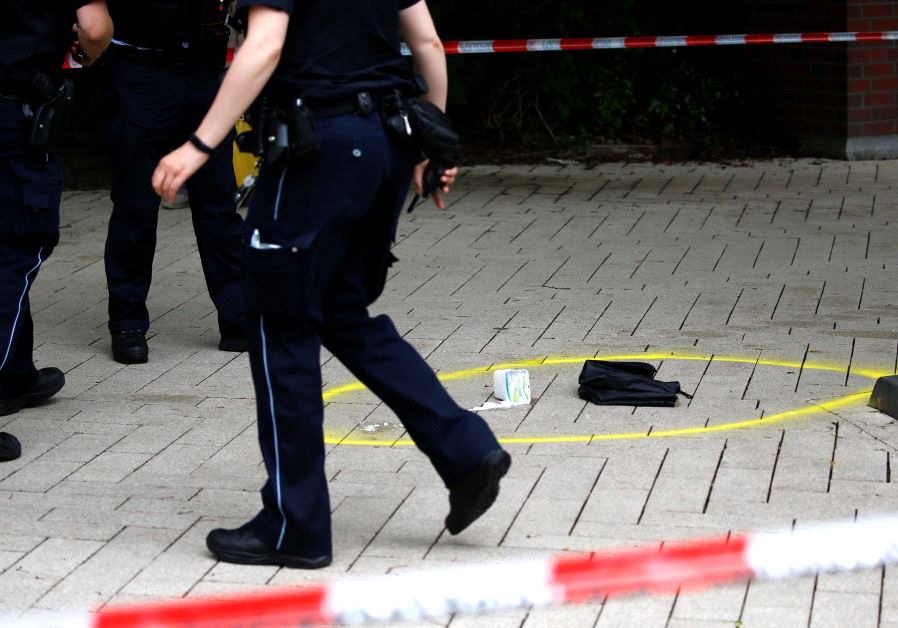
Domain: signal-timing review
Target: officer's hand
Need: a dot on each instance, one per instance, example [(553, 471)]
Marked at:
[(79, 56), (446, 181), (175, 168), (76, 51)]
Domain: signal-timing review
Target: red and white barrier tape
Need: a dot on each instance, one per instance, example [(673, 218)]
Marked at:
[(615, 43), (675, 41), (414, 596)]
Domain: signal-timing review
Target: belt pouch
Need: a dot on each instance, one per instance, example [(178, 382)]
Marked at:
[(277, 275), (303, 132)]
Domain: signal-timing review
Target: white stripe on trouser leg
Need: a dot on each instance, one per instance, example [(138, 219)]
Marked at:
[(15, 322), (277, 199), (274, 428)]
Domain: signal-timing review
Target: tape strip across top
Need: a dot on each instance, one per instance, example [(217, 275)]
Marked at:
[(488, 46)]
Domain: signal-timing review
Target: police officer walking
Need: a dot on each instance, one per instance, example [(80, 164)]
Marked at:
[(34, 37), (321, 224), (165, 66)]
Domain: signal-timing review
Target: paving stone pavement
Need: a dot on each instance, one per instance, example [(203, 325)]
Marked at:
[(762, 287)]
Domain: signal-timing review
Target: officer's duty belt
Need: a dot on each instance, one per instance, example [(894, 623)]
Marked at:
[(8, 95), (348, 105), (136, 55)]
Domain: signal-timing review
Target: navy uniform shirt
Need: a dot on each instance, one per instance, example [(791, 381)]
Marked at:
[(337, 48), (161, 24), (34, 37)]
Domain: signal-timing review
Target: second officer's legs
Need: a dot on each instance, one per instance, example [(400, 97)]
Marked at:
[(131, 239), (156, 107), (137, 132)]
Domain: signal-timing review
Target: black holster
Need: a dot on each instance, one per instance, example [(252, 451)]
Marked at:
[(417, 122), (397, 119), (48, 117), (282, 132), (420, 123), (303, 132)]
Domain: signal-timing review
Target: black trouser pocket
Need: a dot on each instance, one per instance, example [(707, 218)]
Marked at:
[(277, 275), (30, 193)]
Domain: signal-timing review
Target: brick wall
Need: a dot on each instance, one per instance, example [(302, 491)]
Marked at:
[(805, 86), (838, 100), (872, 71)]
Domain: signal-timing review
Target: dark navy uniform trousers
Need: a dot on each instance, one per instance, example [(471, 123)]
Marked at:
[(333, 219), (30, 192), (156, 105)]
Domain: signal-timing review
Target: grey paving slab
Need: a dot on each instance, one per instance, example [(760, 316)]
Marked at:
[(763, 288)]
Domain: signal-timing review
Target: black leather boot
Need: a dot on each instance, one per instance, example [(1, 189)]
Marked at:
[(10, 449), (130, 347), (473, 495), (49, 382), (244, 547)]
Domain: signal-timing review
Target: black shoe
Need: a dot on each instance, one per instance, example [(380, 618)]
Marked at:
[(10, 449), (130, 347), (49, 382), (236, 344), (243, 547), (472, 496)]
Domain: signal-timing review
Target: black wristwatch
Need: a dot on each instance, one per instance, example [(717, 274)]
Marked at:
[(199, 144)]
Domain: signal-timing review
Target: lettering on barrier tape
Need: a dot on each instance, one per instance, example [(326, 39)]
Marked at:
[(671, 42)]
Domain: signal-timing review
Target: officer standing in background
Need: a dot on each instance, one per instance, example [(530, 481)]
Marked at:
[(321, 225), (34, 37), (165, 66)]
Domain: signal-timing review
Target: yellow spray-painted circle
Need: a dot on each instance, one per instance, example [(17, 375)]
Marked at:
[(829, 405)]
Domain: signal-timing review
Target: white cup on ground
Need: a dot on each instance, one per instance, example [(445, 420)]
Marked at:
[(512, 385)]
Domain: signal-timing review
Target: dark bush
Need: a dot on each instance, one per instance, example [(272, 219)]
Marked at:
[(563, 100)]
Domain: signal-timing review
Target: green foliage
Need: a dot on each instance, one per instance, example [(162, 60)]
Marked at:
[(684, 102)]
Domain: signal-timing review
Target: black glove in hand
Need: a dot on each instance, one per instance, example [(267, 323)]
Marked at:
[(431, 181)]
